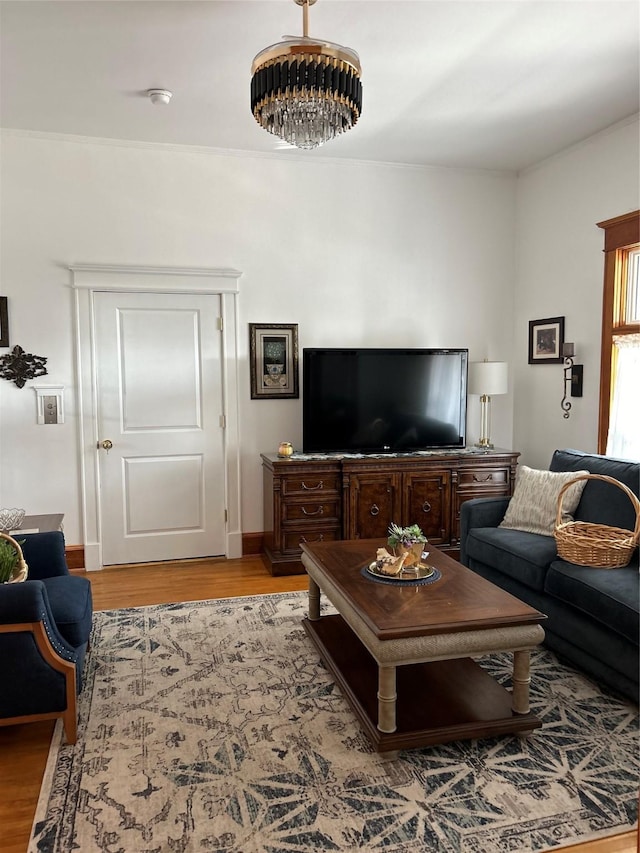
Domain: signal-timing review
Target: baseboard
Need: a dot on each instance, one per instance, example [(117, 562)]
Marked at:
[(75, 556), (252, 544)]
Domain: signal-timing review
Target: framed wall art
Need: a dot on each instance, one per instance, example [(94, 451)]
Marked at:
[(545, 340), (273, 356), (4, 322)]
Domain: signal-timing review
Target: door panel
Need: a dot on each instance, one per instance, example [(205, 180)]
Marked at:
[(374, 505), (147, 480), (159, 389), (427, 504), (175, 369)]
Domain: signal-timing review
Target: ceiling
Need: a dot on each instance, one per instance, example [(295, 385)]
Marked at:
[(489, 84)]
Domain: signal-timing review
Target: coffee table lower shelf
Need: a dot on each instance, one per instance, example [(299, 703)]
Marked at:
[(438, 702)]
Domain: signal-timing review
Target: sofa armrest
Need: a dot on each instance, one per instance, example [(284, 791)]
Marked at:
[(480, 512), (44, 554)]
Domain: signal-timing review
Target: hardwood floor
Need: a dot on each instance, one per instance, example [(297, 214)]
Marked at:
[(24, 748)]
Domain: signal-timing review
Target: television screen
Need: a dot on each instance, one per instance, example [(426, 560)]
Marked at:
[(383, 400)]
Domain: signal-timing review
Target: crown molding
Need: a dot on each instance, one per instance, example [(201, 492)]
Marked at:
[(289, 154)]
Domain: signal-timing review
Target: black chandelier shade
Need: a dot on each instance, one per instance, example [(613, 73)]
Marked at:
[(323, 76)]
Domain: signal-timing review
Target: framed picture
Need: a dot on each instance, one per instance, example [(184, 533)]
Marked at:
[(545, 340), (273, 355), (4, 322)]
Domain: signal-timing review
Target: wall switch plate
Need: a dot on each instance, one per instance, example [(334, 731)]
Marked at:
[(50, 403), (50, 409)]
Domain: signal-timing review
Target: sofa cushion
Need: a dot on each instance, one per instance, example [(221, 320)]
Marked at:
[(71, 606), (610, 596), (601, 502), (522, 556), (533, 506)]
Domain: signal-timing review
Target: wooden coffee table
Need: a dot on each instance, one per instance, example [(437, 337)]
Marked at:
[(401, 654)]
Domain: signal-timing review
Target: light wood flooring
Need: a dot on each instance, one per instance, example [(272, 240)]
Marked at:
[(24, 748)]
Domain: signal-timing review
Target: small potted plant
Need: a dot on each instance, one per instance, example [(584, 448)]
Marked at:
[(410, 540), (13, 568)]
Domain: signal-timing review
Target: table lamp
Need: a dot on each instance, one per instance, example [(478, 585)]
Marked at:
[(487, 378)]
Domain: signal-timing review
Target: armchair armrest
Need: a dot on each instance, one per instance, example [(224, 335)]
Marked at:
[(44, 554), (479, 512), (42, 672), (28, 602)]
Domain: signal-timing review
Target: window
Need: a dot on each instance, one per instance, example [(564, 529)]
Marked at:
[(619, 426)]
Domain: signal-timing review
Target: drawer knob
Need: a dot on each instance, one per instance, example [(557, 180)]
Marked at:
[(375, 510), (318, 539), (477, 479), (315, 488), (426, 507), (318, 511)]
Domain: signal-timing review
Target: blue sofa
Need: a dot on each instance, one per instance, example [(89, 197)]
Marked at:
[(592, 613), (45, 623)]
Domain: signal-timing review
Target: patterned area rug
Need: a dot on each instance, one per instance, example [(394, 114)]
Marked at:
[(213, 726)]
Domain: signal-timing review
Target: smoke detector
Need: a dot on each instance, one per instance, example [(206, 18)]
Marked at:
[(159, 96)]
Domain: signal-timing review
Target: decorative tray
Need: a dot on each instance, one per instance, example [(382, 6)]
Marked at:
[(421, 571)]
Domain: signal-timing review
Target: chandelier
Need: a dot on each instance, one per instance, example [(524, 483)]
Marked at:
[(304, 90)]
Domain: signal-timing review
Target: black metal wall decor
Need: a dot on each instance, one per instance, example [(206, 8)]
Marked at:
[(18, 366)]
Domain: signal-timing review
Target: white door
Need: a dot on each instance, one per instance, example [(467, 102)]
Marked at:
[(160, 404)]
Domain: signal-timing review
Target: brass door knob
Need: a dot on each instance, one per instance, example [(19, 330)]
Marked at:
[(106, 444)]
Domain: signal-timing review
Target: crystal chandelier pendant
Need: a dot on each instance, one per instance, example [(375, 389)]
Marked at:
[(306, 91)]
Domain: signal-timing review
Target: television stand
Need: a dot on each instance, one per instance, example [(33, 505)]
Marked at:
[(323, 497)]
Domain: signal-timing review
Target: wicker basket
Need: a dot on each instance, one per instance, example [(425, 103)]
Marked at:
[(597, 545), (21, 570)]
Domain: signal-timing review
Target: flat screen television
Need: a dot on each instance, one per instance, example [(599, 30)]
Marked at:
[(383, 400)]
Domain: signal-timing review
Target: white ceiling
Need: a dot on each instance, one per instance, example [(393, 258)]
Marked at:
[(496, 84)]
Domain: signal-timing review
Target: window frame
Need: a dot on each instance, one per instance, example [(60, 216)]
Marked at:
[(621, 235)]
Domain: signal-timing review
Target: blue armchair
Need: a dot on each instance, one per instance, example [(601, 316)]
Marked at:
[(45, 623)]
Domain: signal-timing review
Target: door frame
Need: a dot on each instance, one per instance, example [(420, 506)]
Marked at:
[(86, 280)]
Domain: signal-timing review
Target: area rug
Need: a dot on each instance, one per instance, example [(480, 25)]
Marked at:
[(214, 726)]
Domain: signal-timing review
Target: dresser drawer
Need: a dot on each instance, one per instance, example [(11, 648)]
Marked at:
[(483, 478), (312, 510), (462, 496), (293, 539), (311, 484)]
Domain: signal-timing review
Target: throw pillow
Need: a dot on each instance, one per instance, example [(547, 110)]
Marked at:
[(533, 506)]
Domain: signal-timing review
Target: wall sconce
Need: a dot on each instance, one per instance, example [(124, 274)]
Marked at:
[(572, 378), (486, 378)]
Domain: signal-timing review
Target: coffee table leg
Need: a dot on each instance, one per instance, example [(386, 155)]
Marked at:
[(387, 698), (314, 601), (521, 680)]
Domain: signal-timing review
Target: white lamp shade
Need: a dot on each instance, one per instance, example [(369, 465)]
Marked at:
[(488, 377)]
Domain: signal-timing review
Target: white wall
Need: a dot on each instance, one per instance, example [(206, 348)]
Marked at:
[(560, 267), (356, 254)]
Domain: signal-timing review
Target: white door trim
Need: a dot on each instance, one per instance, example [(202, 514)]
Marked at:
[(86, 279)]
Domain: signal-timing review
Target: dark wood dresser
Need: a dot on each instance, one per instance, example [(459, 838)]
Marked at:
[(319, 498)]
